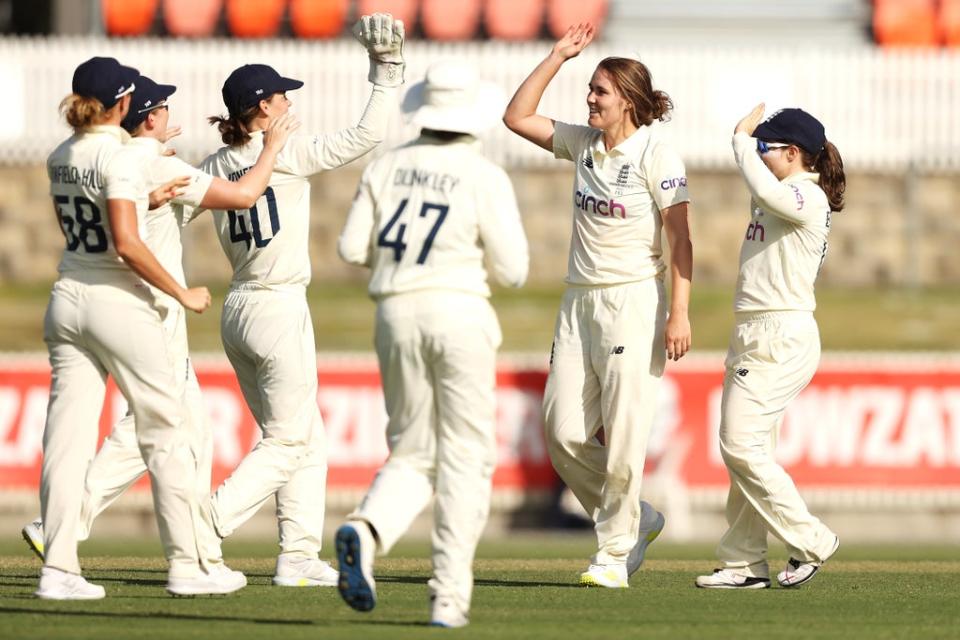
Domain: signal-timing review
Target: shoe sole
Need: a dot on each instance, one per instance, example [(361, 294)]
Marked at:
[(590, 581), (755, 585), (303, 582), (652, 535), (816, 570), (352, 584), (37, 550), (188, 592), (43, 596)]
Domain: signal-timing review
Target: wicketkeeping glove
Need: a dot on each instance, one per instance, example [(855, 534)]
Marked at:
[(382, 37)]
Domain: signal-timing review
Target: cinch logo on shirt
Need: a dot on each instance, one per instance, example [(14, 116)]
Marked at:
[(603, 207), (755, 229), (673, 183)]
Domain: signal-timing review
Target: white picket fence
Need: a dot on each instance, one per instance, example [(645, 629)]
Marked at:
[(885, 110)]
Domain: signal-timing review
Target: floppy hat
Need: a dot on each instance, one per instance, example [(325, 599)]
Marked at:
[(251, 83), (795, 126), (453, 98), (146, 97)]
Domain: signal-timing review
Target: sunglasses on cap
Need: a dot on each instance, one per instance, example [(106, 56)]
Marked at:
[(763, 147)]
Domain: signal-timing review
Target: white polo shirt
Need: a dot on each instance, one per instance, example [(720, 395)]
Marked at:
[(786, 241), (617, 199)]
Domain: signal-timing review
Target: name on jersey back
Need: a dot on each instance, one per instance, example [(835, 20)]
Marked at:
[(442, 182), (68, 174)]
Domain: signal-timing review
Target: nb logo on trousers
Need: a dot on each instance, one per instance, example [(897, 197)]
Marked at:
[(616, 351)]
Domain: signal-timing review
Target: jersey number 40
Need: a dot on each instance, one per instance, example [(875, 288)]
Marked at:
[(245, 225), (397, 244)]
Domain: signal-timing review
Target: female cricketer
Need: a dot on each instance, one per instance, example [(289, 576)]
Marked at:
[(426, 217), (612, 335), (796, 180)]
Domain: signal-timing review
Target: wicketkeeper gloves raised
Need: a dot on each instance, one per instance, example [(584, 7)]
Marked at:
[(382, 37)]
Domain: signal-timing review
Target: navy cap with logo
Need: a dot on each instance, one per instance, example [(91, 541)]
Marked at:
[(251, 83), (104, 79), (795, 126), (146, 97)]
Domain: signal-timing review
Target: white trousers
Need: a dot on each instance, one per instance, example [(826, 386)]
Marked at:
[(605, 370), (118, 464), (94, 329), (437, 356), (772, 357), (268, 337)]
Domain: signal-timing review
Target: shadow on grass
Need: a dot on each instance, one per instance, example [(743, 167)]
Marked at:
[(479, 582), (165, 616)]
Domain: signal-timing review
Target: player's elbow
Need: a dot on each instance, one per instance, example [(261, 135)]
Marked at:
[(351, 252)]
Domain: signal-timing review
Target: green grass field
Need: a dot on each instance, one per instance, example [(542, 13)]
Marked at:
[(850, 319), (524, 589)]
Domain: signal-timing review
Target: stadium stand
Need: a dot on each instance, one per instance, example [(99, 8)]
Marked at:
[(191, 18), (513, 19), (128, 17), (318, 18), (450, 19), (563, 13), (949, 22), (905, 23), (254, 18), (405, 10)]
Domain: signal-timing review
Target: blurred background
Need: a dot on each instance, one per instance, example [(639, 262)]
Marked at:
[(874, 442)]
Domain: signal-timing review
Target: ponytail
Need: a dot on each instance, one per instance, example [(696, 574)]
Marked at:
[(829, 165), (632, 79), (235, 130), (82, 112)]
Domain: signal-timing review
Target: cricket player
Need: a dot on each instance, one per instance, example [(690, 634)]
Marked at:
[(796, 180), (266, 327), (612, 335), (103, 319), (425, 218), (118, 463)]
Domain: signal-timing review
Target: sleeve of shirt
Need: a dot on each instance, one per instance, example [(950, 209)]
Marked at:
[(501, 231), (306, 155), (189, 211), (569, 140), (354, 244), (782, 199), (192, 195), (123, 177), (667, 177)]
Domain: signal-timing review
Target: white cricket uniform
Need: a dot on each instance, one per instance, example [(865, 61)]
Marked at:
[(103, 319), (774, 352), (608, 352), (424, 218), (118, 463), (268, 334)]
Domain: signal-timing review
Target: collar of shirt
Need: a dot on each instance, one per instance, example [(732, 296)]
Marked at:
[(145, 142), (629, 147), (109, 129), (800, 176)]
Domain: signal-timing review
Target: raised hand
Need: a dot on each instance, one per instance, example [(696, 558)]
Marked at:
[(750, 121), (382, 37), (575, 40), (167, 192), (278, 132)]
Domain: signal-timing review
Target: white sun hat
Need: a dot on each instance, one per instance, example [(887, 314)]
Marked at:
[(453, 98)]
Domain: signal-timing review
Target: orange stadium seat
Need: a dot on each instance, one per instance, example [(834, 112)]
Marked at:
[(405, 10), (513, 19), (254, 18), (318, 18), (563, 13), (949, 21), (191, 18), (128, 17), (450, 19), (905, 23)]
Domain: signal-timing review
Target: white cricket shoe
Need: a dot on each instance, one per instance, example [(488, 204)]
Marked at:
[(355, 549), (219, 579), (33, 534), (61, 585), (444, 612), (798, 572), (730, 579), (651, 524), (612, 576), (301, 571)]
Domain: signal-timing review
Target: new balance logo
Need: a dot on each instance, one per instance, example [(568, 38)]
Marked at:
[(616, 351), (588, 162), (742, 372)]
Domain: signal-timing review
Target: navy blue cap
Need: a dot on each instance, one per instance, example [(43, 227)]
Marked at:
[(795, 126), (146, 97), (251, 83), (104, 79)]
